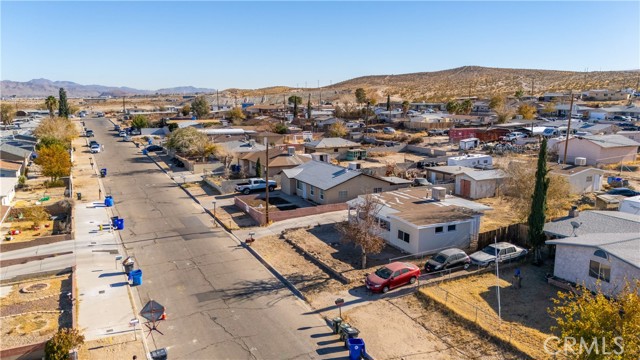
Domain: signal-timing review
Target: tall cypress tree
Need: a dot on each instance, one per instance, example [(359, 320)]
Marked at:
[(537, 217), (388, 102), (258, 168), (63, 106), (309, 107)]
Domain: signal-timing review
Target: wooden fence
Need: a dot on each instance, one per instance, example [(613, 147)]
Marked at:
[(514, 233)]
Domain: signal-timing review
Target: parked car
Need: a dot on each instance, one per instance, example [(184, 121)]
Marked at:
[(371, 131), (95, 148), (420, 182), (497, 252), (122, 133), (447, 259), (513, 136), (391, 276), (116, 128), (389, 130), (255, 184), (92, 142), (437, 132), (135, 132), (89, 133), (154, 148), (623, 191)]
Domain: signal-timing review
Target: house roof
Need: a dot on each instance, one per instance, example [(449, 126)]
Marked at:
[(277, 158), (451, 170), (7, 184), (14, 150), (413, 205), (479, 175), (321, 174), (594, 222), (570, 170), (240, 146), (611, 141), (395, 180), (624, 246), (330, 143), (10, 165)]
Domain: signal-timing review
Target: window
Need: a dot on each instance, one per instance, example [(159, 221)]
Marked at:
[(601, 253), (335, 150), (385, 224), (403, 236), (439, 229), (298, 184), (589, 178), (599, 271), (511, 250), (486, 161), (451, 228), (321, 194), (342, 195), (377, 190), (312, 190)]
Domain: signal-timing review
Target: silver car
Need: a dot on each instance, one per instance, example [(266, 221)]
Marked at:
[(502, 251)]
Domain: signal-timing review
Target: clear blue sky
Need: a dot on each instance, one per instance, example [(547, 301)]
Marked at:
[(151, 45)]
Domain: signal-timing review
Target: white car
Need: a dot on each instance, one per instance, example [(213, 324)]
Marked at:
[(514, 135), (389, 130), (95, 148), (123, 133)]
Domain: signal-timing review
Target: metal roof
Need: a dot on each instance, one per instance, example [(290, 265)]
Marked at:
[(331, 143), (594, 222), (611, 141), (624, 246), (321, 174), (486, 174), (14, 150)]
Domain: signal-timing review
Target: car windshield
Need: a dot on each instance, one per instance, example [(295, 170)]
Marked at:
[(384, 273), (490, 250), (440, 259)]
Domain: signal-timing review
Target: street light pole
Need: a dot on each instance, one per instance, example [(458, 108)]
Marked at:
[(215, 219)]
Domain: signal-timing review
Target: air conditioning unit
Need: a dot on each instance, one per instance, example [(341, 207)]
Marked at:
[(354, 166), (438, 193), (580, 161)]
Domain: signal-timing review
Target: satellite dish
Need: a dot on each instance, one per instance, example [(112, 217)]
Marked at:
[(575, 226)]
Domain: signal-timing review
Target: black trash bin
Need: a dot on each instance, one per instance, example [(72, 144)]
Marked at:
[(128, 268), (336, 324), (79, 196), (349, 333)]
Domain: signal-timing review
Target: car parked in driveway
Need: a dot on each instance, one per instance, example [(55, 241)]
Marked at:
[(420, 182), (391, 276), (389, 130), (446, 259), (502, 251)]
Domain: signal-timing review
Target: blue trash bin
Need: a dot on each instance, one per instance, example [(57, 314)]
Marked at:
[(356, 348), (136, 277), (120, 224), (150, 141), (144, 152), (108, 201)]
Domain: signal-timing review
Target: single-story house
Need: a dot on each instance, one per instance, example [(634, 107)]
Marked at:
[(7, 190), (324, 183), (600, 261), (479, 184), (445, 174), (279, 159), (633, 135), (337, 148), (10, 168), (240, 148), (14, 153), (412, 221), (593, 222), (272, 138), (630, 205), (598, 149), (595, 129), (581, 179)]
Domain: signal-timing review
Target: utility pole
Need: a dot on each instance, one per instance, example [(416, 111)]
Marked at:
[(266, 176), (566, 141), (218, 100), (495, 241), (123, 108)]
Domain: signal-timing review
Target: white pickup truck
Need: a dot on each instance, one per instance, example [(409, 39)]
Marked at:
[(255, 184)]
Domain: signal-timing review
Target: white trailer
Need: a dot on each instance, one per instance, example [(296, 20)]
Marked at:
[(471, 160)]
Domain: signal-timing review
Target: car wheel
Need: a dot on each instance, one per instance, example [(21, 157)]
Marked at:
[(466, 265), (385, 289), (271, 188), (491, 264), (246, 191), (413, 280)]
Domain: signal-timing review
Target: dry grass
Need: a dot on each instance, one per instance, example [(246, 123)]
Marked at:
[(525, 322), (17, 297), (113, 347), (502, 214), (41, 324)]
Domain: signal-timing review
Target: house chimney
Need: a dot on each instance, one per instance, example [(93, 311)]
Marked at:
[(574, 212), (438, 193), (291, 150)]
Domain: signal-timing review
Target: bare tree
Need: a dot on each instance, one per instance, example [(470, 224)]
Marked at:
[(363, 229)]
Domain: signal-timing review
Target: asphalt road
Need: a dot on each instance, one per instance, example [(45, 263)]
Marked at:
[(221, 302)]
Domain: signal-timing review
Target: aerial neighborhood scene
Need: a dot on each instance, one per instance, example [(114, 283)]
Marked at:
[(320, 180)]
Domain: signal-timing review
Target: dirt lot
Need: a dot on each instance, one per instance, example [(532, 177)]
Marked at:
[(114, 347), (32, 310), (501, 215), (525, 321)]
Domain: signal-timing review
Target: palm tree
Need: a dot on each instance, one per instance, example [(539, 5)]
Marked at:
[(466, 107), (51, 103)]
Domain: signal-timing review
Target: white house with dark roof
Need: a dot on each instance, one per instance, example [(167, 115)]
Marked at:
[(419, 221), (600, 261), (598, 149)]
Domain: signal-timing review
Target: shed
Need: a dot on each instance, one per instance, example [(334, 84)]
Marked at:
[(470, 143), (479, 184)]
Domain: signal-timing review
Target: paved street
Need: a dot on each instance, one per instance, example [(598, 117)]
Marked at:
[(221, 302)]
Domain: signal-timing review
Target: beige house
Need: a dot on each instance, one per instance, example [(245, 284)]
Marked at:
[(581, 179), (598, 149), (279, 159), (479, 184), (323, 183), (337, 148)]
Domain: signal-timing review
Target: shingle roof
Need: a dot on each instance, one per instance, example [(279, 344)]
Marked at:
[(594, 222), (14, 150), (625, 246), (321, 174), (611, 141), (331, 143)]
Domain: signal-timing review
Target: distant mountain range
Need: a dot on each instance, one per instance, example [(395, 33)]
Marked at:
[(44, 88)]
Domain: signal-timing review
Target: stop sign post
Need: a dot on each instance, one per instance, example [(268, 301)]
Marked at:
[(339, 302)]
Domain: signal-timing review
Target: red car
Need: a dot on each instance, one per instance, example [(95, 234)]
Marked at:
[(391, 276)]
